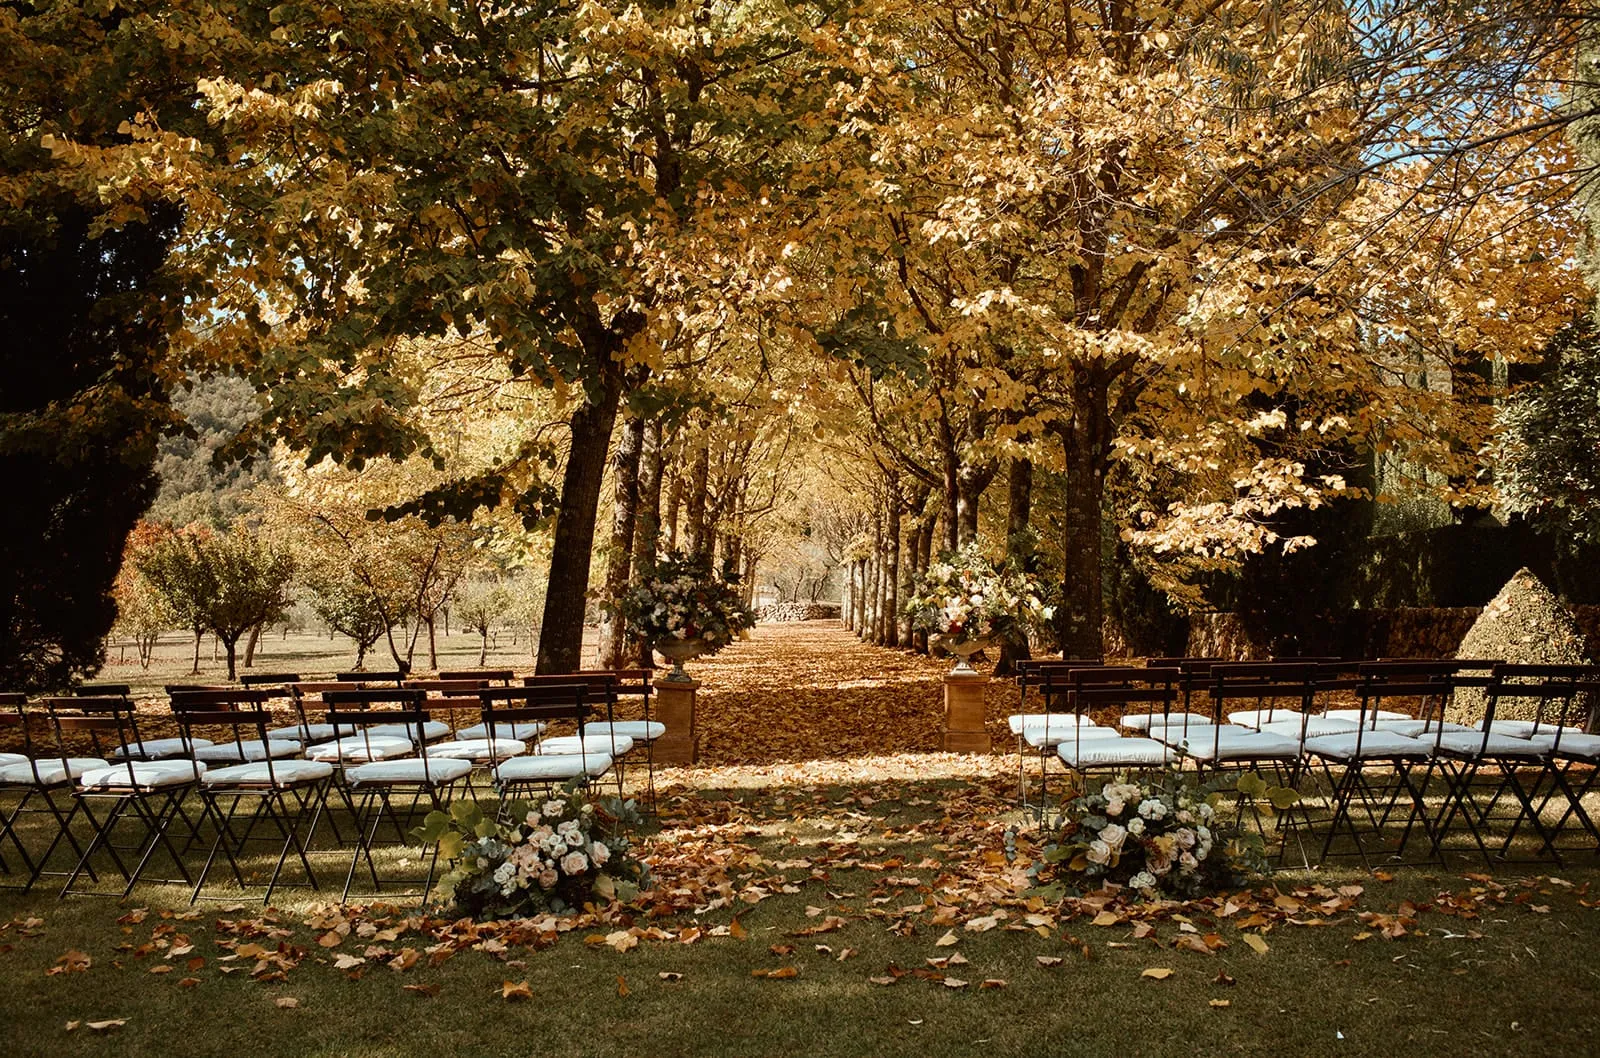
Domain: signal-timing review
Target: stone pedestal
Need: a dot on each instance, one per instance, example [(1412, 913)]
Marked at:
[(675, 708), (964, 730)]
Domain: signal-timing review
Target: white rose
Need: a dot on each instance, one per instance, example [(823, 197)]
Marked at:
[(1113, 808), (532, 820), (1136, 826), (547, 878), (574, 863), (1142, 880), (1099, 852), (599, 853), (1113, 835), (555, 809)]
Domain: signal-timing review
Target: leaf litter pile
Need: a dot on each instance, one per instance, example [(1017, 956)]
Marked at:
[(920, 850)]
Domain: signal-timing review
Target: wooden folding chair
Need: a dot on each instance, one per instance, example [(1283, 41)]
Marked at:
[(279, 790), (33, 776)]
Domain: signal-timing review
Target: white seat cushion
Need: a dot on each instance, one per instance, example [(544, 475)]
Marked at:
[(1115, 753), (1243, 745), (1018, 721), (158, 748), (303, 733), (248, 750), (1315, 727), (12, 758), (1145, 721), (433, 730), (1256, 717), (1179, 734), (1369, 716), (1049, 738), (1578, 746), (539, 767), (1471, 744), (1526, 728), (638, 730), (360, 749), (522, 731), (614, 746), (50, 770), (1422, 729), (434, 770), (1379, 744), (142, 775), (282, 773), (478, 749)]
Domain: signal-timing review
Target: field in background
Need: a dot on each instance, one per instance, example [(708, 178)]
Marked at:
[(309, 655)]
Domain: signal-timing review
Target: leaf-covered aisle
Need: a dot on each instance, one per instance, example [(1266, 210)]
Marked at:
[(811, 690)]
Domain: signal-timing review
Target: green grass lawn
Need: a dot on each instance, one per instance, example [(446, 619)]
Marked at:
[(851, 876)]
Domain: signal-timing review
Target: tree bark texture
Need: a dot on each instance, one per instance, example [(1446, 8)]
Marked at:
[(1019, 550), (695, 539), (1084, 444), (624, 518), (561, 631)]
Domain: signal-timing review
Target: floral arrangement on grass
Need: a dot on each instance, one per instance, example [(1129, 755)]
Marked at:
[(683, 599), (1158, 835), (550, 856), (967, 596)]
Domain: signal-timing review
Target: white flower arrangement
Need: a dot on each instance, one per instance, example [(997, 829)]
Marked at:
[(684, 600), (553, 857), (1158, 837), (966, 596)]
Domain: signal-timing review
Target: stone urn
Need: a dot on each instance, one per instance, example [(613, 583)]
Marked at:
[(963, 647), (678, 651)]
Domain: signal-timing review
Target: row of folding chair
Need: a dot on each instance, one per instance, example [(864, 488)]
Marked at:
[(1262, 716), (378, 742)]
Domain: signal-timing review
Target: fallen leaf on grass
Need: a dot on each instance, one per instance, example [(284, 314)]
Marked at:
[(422, 990), (737, 931), (781, 973), (162, 969), (188, 982), (330, 939), (98, 1026), (1256, 943), (982, 925), (520, 990), (1106, 918), (885, 981), (1047, 960), (622, 986), (345, 962), (622, 940), (73, 961), (670, 975), (1157, 973), (991, 983), (951, 982), (1224, 978), (947, 940), (286, 1002), (1220, 1004)]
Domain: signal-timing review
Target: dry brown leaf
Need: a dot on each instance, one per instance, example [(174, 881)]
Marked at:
[(330, 939), (622, 940), (73, 961), (737, 931), (885, 981), (422, 990), (1047, 960), (520, 990), (1157, 973), (781, 973), (670, 975), (161, 969), (286, 1002), (947, 940), (622, 986), (1258, 945), (347, 962), (991, 983), (951, 982), (1221, 1004), (188, 982), (1106, 918), (107, 1025)]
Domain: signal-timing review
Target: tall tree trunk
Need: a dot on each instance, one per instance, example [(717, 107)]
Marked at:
[(561, 631), (695, 537), (674, 506), (892, 536), (1019, 551), (925, 537), (199, 633), (619, 555), (647, 526), (971, 481), (250, 646), (952, 493), (433, 646), (1084, 440)]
